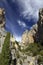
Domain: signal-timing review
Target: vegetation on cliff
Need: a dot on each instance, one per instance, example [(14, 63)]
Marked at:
[(5, 56)]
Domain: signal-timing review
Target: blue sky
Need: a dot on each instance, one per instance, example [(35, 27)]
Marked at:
[(21, 15)]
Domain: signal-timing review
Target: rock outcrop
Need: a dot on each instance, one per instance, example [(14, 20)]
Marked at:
[(39, 34), (36, 33), (2, 30), (28, 36)]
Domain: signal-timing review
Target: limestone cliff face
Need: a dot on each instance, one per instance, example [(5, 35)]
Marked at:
[(28, 36), (2, 17), (36, 33), (2, 30), (39, 35)]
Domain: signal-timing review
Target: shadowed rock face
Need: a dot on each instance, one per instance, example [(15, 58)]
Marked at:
[(2, 17), (40, 26)]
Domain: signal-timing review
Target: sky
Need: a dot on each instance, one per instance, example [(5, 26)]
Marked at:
[(20, 15)]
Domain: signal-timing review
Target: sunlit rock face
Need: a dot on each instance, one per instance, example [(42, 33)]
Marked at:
[(28, 36), (2, 30)]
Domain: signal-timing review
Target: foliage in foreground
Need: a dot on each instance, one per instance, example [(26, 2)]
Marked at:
[(34, 49), (5, 55)]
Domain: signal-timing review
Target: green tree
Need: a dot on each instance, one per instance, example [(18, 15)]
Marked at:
[(40, 60), (6, 54), (33, 48), (41, 52), (0, 59)]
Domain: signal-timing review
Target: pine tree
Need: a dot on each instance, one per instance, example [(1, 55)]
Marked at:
[(6, 54)]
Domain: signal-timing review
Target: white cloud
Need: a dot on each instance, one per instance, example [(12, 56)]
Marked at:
[(22, 23), (30, 8), (18, 38)]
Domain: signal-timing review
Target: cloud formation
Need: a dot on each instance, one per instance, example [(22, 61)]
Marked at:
[(30, 8), (22, 24), (20, 14)]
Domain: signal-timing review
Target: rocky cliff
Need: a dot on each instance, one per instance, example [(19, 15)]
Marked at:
[(28, 36), (36, 33), (2, 30), (39, 34)]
